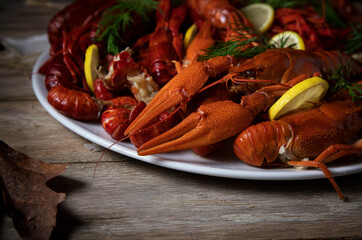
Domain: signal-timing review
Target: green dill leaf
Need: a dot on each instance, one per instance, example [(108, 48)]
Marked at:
[(118, 18), (236, 46), (112, 45), (282, 44), (354, 43), (340, 78)]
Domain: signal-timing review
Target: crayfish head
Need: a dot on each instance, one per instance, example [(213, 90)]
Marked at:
[(270, 65)]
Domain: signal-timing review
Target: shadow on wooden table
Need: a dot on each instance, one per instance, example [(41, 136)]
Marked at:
[(66, 221), (278, 188), (2, 214)]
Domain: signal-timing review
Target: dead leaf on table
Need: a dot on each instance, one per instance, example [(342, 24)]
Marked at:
[(27, 199)]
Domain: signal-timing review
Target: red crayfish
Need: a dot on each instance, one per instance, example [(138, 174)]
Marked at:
[(217, 121), (317, 134)]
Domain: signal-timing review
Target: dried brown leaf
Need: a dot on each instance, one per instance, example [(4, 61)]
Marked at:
[(27, 199)]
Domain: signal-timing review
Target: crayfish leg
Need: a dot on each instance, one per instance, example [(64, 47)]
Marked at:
[(332, 153)]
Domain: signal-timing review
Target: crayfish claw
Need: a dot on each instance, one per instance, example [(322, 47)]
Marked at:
[(179, 90), (177, 138), (211, 123)]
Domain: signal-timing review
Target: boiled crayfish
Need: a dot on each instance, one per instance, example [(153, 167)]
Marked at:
[(317, 134), (217, 121)]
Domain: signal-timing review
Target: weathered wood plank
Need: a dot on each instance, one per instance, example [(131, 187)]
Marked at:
[(26, 18), (16, 85), (137, 200), (27, 127)]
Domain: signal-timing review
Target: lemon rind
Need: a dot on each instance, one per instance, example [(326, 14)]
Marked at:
[(91, 52), (281, 107)]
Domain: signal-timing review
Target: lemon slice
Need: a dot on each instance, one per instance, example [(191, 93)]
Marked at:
[(190, 35), (261, 15), (291, 38), (300, 96), (91, 64)]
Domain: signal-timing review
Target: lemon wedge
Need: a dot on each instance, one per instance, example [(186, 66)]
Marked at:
[(291, 38), (301, 95), (261, 15), (91, 65), (190, 35)]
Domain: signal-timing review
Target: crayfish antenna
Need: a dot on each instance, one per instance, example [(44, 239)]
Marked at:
[(108, 148)]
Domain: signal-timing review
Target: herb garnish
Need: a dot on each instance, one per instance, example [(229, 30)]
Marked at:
[(282, 44), (354, 43), (116, 19), (340, 76), (239, 44)]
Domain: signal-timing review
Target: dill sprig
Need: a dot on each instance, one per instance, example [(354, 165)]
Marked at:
[(239, 44), (118, 18), (340, 77), (354, 43), (282, 44)]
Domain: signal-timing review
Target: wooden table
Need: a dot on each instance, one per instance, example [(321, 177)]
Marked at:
[(130, 199)]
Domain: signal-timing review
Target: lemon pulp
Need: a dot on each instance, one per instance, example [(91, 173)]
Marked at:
[(291, 38), (261, 16)]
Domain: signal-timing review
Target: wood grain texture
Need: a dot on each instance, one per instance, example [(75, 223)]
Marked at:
[(129, 199)]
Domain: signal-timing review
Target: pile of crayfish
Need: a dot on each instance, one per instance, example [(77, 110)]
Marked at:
[(159, 95)]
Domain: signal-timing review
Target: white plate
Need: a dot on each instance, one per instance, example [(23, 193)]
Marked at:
[(224, 164)]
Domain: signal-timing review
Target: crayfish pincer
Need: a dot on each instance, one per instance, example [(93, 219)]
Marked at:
[(180, 89)]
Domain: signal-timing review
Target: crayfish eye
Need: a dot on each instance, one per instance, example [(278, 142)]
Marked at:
[(249, 74)]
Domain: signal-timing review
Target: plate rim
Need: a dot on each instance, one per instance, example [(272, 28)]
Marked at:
[(252, 173)]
